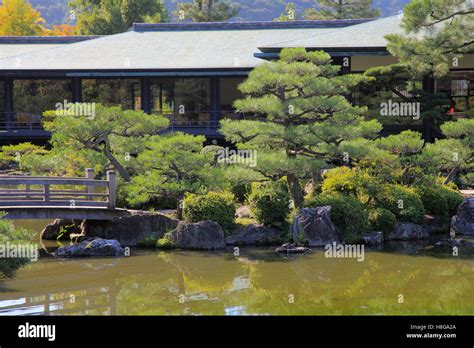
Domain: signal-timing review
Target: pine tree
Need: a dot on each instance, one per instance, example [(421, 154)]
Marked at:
[(342, 9), (206, 10), (105, 17), (289, 14), (438, 33), (301, 117)]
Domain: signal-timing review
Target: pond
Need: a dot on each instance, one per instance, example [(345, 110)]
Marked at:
[(403, 279)]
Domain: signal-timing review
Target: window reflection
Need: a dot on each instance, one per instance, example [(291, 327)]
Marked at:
[(32, 97), (187, 102), (123, 92)]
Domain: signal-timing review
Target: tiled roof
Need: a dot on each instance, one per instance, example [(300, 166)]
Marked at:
[(149, 47)]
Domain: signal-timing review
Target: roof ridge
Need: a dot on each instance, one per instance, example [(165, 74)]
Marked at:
[(46, 39), (297, 24)]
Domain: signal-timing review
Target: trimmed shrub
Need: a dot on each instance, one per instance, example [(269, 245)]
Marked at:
[(240, 191), (339, 180), (453, 199), (215, 206), (433, 200), (382, 220), (269, 203), (357, 183), (440, 200), (402, 201), (164, 243), (347, 213)]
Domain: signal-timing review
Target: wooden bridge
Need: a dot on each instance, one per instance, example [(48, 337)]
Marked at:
[(40, 197)]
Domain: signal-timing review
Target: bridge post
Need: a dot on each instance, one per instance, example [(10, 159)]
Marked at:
[(111, 188), (46, 193), (89, 175)]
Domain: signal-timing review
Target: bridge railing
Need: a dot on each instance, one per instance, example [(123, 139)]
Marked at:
[(49, 191)]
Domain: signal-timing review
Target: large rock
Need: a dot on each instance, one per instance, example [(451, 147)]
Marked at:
[(243, 212), (206, 235), (291, 249), (408, 231), (131, 230), (463, 222), (255, 235), (435, 224), (95, 247), (61, 229), (315, 226), (373, 238)]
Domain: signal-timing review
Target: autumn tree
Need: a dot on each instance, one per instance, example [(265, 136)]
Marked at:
[(206, 10), (19, 18), (341, 9)]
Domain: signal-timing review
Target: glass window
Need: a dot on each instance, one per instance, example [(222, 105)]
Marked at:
[(32, 97), (459, 88), (229, 93), (123, 92), (187, 102)]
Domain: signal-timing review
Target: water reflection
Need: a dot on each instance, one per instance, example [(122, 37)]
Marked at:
[(258, 282)]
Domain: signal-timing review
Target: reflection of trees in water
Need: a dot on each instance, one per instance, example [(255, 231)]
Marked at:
[(218, 284)]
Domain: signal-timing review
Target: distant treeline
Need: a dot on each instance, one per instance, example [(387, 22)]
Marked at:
[(56, 12)]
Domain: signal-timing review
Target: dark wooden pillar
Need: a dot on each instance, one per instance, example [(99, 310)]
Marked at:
[(145, 91), (76, 90), (9, 116), (428, 124), (215, 101), (346, 65)]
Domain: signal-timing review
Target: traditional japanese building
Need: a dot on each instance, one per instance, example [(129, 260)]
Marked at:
[(186, 71)]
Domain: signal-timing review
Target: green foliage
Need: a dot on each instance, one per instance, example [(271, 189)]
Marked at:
[(347, 213), (207, 10), (388, 83), (215, 206), (382, 220), (339, 180), (402, 201), (436, 33), (241, 190), (13, 156), (336, 9), (303, 113), (269, 203), (165, 244), (453, 155), (105, 17), (147, 242), (433, 200), (452, 196), (12, 235), (289, 14), (354, 182), (403, 144), (111, 132), (172, 165)]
